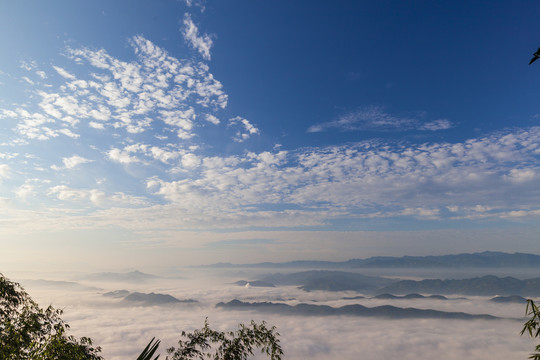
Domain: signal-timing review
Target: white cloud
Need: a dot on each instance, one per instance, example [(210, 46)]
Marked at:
[(190, 160), (198, 3), (134, 97), (182, 119), (68, 133), (421, 212), (365, 180), (372, 118), (96, 125), (156, 110), (211, 118), (247, 130), (4, 170), (57, 105), (163, 155), (95, 197), (191, 34), (63, 192), (33, 125), (521, 175), (375, 118), (62, 72), (115, 96), (122, 156), (25, 78), (441, 124), (102, 113), (133, 92), (41, 74), (8, 155), (73, 161), (28, 65), (25, 191)]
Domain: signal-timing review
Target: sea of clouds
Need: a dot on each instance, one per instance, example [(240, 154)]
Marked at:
[(123, 330)]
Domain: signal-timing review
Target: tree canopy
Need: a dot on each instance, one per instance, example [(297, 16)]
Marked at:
[(28, 332), (231, 345), (532, 326)]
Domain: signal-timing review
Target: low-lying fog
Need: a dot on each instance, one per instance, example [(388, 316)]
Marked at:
[(122, 329)]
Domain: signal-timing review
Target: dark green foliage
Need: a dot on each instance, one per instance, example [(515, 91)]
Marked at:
[(150, 350), (532, 326), (29, 332), (232, 345)]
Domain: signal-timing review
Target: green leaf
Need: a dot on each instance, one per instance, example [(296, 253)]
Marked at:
[(150, 350)]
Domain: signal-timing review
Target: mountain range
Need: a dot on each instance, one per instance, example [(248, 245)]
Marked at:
[(151, 299), (385, 311), (254, 283), (509, 299), (387, 296), (328, 280), (485, 286), (129, 277), (56, 284), (486, 259)]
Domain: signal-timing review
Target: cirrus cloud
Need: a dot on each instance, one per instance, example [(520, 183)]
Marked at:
[(375, 118)]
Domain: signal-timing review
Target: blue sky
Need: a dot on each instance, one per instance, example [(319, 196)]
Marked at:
[(205, 131)]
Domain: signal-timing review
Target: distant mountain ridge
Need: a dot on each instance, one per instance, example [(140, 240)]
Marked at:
[(488, 285), (254, 283), (328, 280), (486, 259), (509, 299), (144, 299), (385, 311), (129, 277), (57, 284), (331, 280), (154, 299), (387, 296)]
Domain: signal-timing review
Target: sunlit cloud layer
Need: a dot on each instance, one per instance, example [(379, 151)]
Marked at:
[(123, 331)]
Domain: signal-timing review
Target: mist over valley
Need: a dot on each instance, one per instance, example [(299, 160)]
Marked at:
[(315, 310)]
